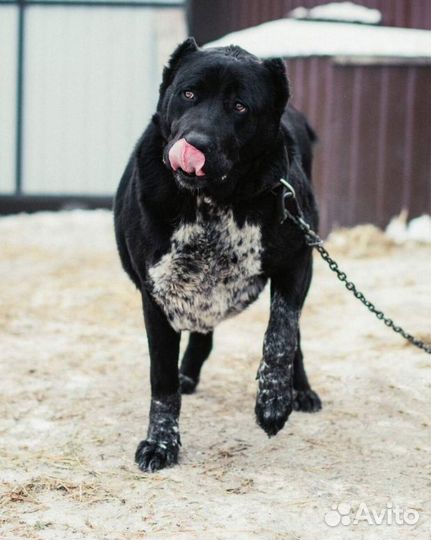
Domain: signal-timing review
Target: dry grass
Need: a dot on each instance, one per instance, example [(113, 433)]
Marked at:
[(87, 492)]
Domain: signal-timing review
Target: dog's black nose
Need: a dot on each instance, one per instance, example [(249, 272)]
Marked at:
[(199, 140)]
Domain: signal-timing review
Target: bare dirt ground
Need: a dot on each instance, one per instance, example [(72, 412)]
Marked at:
[(74, 398)]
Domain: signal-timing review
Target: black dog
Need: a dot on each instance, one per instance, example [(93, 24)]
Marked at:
[(199, 233)]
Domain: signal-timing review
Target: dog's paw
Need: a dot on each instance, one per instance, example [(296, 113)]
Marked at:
[(187, 384), (152, 456), (272, 411), (306, 401)]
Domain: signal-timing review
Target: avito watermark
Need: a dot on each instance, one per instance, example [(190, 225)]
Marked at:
[(344, 514)]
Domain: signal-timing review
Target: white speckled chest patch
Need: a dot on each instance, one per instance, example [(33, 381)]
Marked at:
[(212, 270)]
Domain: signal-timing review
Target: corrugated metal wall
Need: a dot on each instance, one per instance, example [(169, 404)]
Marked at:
[(210, 19), (8, 24), (90, 83), (374, 154)]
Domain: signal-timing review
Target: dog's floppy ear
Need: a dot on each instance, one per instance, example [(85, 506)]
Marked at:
[(184, 49), (277, 69)]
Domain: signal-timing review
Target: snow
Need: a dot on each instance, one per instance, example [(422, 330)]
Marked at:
[(295, 38), (339, 11), (417, 230)]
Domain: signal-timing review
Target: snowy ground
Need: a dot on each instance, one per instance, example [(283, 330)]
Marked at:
[(74, 396)]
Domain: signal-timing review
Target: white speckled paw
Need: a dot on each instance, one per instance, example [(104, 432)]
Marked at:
[(152, 456)]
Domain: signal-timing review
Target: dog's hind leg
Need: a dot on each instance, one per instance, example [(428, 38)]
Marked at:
[(198, 350), (305, 399)]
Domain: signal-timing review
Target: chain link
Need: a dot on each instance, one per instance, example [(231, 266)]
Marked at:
[(350, 286), (312, 239)]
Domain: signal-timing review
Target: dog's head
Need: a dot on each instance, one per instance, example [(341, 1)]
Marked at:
[(218, 108)]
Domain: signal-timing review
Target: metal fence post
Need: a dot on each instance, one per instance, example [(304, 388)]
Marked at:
[(20, 96)]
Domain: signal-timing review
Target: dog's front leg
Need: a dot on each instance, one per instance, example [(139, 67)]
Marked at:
[(160, 448), (275, 394)]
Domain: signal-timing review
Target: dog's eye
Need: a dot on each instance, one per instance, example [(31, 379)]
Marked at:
[(188, 94), (240, 107)]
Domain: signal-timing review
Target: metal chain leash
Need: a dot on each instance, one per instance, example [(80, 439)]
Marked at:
[(312, 239)]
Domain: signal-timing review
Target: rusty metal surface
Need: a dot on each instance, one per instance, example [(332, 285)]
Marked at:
[(374, 151)]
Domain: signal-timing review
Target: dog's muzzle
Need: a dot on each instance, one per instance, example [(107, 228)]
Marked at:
[(185, 156)]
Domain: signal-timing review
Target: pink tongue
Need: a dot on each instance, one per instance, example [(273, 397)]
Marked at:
[(184, 155)]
